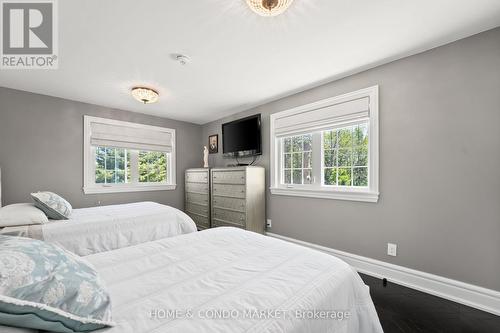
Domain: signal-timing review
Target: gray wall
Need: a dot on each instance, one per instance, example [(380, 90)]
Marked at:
[(41, 148), (439, 165)]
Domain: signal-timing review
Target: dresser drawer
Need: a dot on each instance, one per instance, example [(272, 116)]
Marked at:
[(201, 199), (197, 187), (228, 177), (201, 221), (197, 209), (235, 191), (230, 203), (197, 177), (229, 216), (220, 223)]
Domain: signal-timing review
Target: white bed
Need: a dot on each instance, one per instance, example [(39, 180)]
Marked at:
[(236, 271), (105, 228)]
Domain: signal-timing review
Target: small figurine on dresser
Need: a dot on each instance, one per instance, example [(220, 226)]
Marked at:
[(205, 157)]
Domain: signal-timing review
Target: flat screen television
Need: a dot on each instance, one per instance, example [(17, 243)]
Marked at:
[(242, 137)]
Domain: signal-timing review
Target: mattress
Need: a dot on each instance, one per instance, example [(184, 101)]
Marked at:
[(231, 280), (105, 228)]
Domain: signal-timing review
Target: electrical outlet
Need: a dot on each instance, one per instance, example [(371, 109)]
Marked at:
[(392, 249), (269, 223)]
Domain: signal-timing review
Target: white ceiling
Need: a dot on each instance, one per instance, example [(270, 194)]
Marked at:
[(239, 60)]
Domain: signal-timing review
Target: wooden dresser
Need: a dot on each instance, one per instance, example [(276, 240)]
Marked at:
[(197, 197), (238, 197)]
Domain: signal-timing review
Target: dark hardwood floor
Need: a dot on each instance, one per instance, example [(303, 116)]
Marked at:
[(402, 309)]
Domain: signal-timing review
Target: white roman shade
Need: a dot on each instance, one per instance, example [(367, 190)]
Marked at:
[(120, 134), (322, 117)]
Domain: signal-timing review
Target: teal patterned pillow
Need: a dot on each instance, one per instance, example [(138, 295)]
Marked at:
[(45, 287), (55, 207)]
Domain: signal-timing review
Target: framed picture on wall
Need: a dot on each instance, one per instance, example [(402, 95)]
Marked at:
[(213, 144)]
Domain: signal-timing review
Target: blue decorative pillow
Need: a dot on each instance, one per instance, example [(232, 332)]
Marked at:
[(55, 207), (45, 287)]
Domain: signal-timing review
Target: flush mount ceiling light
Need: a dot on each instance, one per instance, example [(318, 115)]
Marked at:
[(145, 95), (269, 7)]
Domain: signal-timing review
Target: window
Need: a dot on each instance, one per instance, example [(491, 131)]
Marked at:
[(153, 167), (297, 153), (126, 157), (112, 165), (345, 156), (327, 149)]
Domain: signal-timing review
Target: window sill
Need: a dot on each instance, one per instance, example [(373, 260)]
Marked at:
[(134, 188), (363, 196)]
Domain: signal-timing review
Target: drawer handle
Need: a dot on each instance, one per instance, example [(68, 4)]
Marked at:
[(242, 191)]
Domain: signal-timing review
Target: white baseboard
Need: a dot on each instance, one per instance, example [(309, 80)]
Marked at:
[(471, 295)]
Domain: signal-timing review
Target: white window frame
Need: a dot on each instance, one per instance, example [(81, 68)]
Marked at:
[(89, 184), (317, 190)]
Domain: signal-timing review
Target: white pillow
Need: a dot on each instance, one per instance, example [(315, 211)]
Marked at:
[(21, 214)]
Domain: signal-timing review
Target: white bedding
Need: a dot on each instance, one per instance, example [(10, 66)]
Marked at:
[(99, 229), (105, 228), (237, 271)]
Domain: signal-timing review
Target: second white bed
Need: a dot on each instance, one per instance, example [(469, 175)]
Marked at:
[(105, 228)]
